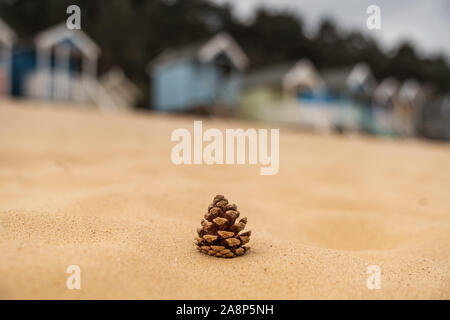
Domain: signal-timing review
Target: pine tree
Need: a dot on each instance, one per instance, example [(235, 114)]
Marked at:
[(219, 235)]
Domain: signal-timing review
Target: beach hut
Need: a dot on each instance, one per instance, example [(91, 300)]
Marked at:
[(349, 90), (288, 81), (7, 38), (206, 76), (59, 64)]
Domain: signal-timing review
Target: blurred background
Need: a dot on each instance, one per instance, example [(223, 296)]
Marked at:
[(309, 64)]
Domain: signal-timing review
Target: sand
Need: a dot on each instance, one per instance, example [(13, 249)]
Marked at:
[(78, 187)]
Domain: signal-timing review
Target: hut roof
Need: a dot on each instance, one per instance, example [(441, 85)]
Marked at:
[(205, 51), (51, 36), (349, 77), (411, 91), (386, 90), (301, 72)]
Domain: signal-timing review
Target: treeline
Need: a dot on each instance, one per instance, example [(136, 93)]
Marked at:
[(130, 33)]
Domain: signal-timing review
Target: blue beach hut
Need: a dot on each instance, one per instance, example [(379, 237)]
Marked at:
[(206, 75)]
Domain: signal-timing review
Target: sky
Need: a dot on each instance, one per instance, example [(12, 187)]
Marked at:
[(425, 23)]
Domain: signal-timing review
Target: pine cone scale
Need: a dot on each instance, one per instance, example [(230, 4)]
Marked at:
[(225, 234), (219, 235)]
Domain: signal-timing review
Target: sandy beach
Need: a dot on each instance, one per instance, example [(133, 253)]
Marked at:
[(79, 187)]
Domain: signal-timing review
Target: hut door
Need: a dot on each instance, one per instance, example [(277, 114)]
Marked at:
[(224, 85)]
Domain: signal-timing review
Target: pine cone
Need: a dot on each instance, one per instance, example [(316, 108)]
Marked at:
[(219, 235)]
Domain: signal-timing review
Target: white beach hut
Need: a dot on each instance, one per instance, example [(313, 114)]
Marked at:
[(66, 66)]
